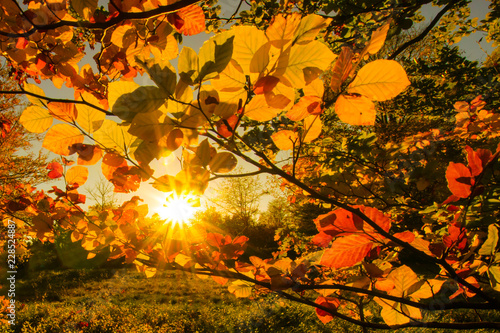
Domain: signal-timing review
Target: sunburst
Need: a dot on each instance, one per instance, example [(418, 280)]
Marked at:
[(179, 209)]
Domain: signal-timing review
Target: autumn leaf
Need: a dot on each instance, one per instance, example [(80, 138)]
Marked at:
[(380, 80), (175, 139), (36, 119), (342, 69), (285, 139), (56, 170), (63, 111), (306, 106), (490, 245), (312, 128), (142, 100), (459, 179), (355, 110), (265, 84), (247, 41), (89, 118), (77, 175), (85, 8), (61, 137), (346, 251), (328, 302), (192, 18), (223, 162), (215, 55), (378, 39)]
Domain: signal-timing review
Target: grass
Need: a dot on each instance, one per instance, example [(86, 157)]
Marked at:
[(114, 301), (101, 301)]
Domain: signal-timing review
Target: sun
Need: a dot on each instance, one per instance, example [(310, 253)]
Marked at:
[(179, 209)]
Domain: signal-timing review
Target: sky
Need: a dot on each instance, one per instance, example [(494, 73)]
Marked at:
[(169, 165)]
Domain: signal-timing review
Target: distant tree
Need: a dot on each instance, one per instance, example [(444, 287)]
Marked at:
[(102, 194)]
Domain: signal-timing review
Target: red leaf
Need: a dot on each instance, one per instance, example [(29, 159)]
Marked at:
[(321, 239), (459, 179), (22, 43), (457, 237), (56, 170), (327, 302), (477, 159), (265, 84), (189, 20), (347, 251)]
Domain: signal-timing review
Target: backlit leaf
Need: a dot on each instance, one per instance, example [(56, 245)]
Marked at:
[(314, 54), (258, 109), (162, 73), (34, 89), (56, 170), (327, 302), (118, 88), (346, 251), (230, 79), (309, 28), (141, 100), (61, 137), (223, 162), (380, 80), (312, 128), (281, 31), (306, 106), (193, 20), (355, 110), (378, 39), (36, 119), (77, 175), (115, 137), (85, 8), (285, 139), (188, 65), (489, 246), (215, 54), (247, 40), (241, 289), (342, 68), (494, 275), (459, 179), (89, 119), (147, 126), (63, 111)]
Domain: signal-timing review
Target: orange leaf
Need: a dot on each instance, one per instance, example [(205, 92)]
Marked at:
[(355, 110), (77, 175), (56, 170), (306, 106), (63, 111), (342, 68), (459, 179), (265, 84), (61, 137), (477, 160), (175, 139), (346, 251), (327, 302), (285, 139), (189, 20)]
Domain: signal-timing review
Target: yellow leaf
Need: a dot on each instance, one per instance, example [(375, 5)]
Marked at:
[(309, 28), (380, 80), (378, 39), (119, 88), (215, 54), (89, 119), (63, 111), (428, 289), (230, 79), (223, 162), (124, 35), (355, 110), (188, 65), (247, 40), (116, 137), (305, 106), (229, 102), (312, 128), (281, 31), (240, 288), (258, 109), (303, 57), (61, 137), (34, 89), (281, 97), (285, 139), (403, 278), (315, 88), (77, 174), (392, 313), (36, 119)]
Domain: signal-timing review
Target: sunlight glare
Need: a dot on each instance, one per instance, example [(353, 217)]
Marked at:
[(179, 209)]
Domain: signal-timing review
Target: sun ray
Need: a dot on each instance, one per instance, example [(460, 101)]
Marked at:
[(179, 209)]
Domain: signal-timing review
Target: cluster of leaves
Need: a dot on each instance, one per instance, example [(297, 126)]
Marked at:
[(262, 89)]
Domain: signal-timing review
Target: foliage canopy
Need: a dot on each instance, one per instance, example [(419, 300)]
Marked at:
[(397, 145)]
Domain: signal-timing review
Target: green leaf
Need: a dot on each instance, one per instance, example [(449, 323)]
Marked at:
[(489, 246), (36, 119), (215, 55), (141, 100)]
